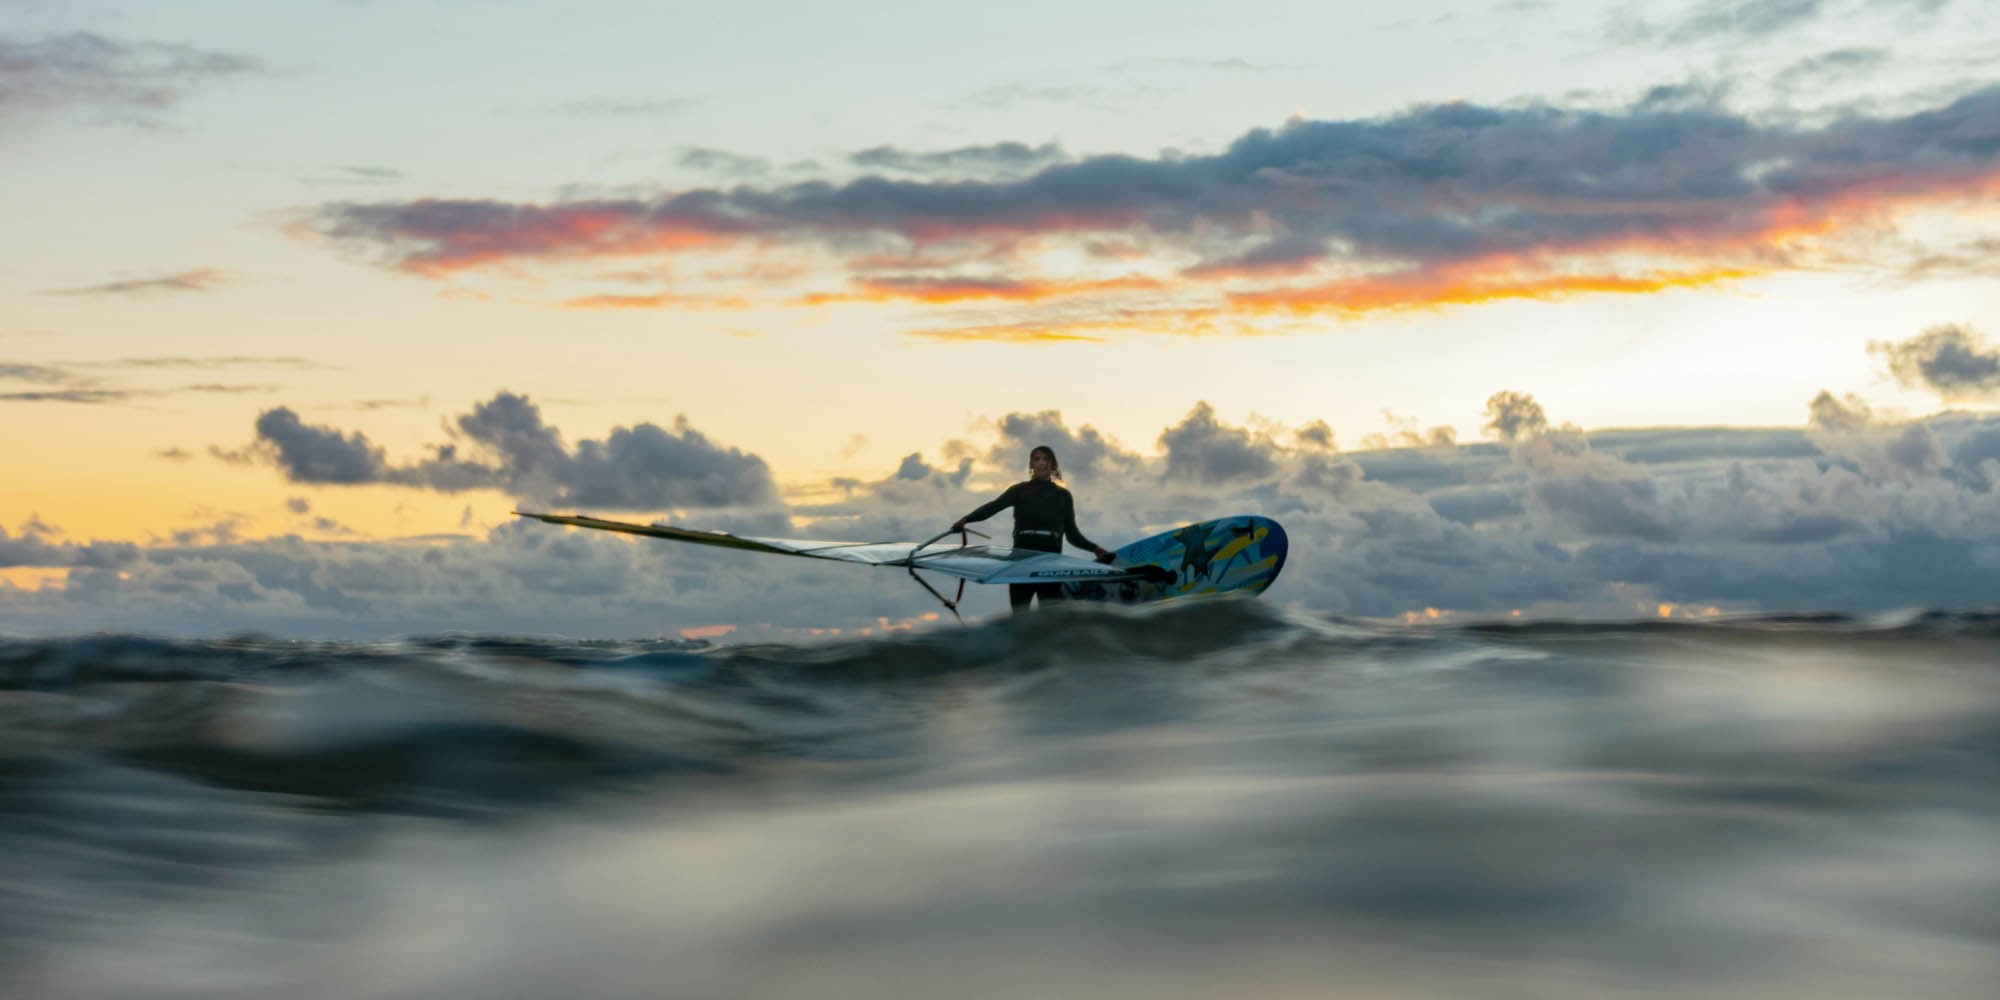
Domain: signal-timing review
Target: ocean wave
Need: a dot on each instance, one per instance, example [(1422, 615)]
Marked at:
[(1174, 779)]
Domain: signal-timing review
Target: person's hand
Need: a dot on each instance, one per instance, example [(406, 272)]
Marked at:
[(958, 525), (1106, 555)]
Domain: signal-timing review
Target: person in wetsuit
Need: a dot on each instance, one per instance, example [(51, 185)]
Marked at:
[(1044, 514)]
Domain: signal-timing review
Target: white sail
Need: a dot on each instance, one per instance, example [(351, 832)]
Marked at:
[(976, 563)]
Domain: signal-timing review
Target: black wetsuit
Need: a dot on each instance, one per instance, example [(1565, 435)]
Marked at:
[(1044, 515)]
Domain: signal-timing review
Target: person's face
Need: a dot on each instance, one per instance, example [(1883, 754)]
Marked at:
[(1039, 465)]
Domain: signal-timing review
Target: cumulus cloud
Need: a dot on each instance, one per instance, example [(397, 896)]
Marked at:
[(1839, 415), (1316, 435), (1202, 449), (1850, 511), (32, 548), (309, 454), (1954, 361), (1407, 433), (1607, 505), (1573, 489), (509, 447), (1085, 453), (1514, 415), (1847, 429)]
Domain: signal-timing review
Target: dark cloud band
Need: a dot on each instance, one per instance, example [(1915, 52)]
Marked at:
[(1443, 203)]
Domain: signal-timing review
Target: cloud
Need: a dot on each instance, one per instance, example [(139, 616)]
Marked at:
[(1203, 449), (657, 300), (227, 388), (84, 396), (1316, 435), (1085, 453), (1978, 258), (1514, 415), (1836, 415), (719, 161), (1278, 257), (1607, 506), (1846, 429), (202, 279), (1954, 361), (1830, 67), (349, 174), (308, 454), (1725, 20), (393, 404), (1226, 65), (90, 70), (1407, 434), (510, 448), (231, 361), (965, 289), (1439, 205), (1018, 333), (32, 549), (913, 469), (371, 174), (1851, 512), (33, 373), (1574, 490), (1920, 8), (74, 386), (994, 158)]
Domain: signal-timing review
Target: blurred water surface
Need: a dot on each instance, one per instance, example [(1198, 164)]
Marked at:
[(1197, 800)]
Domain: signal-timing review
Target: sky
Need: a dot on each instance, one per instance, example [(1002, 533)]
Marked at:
[(1517, 309)]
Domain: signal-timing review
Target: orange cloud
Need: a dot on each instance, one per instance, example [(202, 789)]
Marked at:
[(1191, 322), (1012, 333), (1430, 289), (938, 291), (438, 237), (662, 300)]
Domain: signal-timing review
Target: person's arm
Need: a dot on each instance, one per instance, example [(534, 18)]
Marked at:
[(988, 509), (1075, 536)]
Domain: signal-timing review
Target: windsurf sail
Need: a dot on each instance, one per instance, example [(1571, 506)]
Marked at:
[(974, 563)]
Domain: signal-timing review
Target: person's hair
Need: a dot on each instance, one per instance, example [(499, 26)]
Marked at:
[(1055, 467)]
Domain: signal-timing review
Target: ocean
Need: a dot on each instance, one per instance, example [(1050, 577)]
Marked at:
[(1201, 799)]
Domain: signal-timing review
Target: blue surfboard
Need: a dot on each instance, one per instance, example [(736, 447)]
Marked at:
[(1230, 554)]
